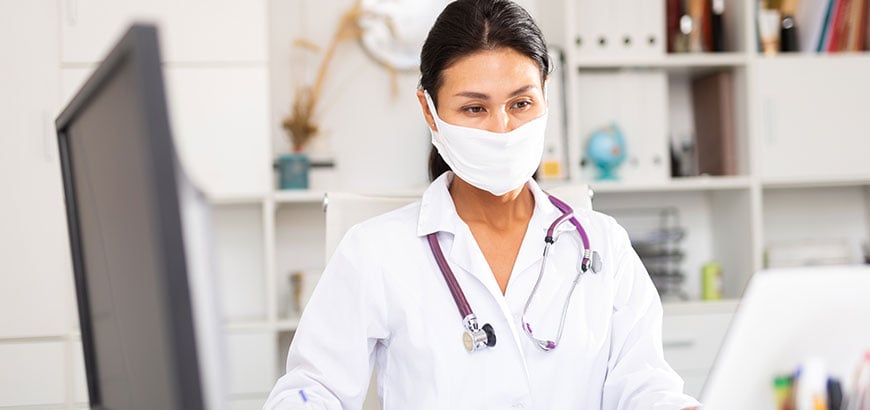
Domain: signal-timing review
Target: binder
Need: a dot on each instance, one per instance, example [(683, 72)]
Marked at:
[(631, 99), (554, 163), (649, 15), (713, 112), (595, 25)]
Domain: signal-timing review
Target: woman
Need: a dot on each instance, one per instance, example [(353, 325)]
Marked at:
[(390, 294)]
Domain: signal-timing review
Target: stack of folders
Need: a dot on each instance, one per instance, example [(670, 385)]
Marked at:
[(715, 134), (817, 26), (695, 26), (619, 28)]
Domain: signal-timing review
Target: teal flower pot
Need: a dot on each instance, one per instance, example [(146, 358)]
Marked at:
[(293, 171)]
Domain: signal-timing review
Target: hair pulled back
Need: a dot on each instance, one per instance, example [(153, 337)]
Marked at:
[(466, 27)]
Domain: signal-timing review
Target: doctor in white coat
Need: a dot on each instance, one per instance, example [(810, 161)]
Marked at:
[(454, 299)]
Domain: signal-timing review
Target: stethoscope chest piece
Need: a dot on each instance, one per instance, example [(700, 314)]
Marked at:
[(476, 339), (591, 261)]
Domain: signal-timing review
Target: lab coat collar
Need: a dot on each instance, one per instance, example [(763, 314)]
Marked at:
[(438, 213)]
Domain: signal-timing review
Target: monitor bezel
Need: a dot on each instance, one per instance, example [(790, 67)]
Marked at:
[(139, 48)]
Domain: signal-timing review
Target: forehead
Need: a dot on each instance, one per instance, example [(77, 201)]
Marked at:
[(491, 70)]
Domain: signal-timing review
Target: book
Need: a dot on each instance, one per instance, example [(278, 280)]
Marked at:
[(673, 13), (837, 26), (810, 22), (857, 25), (717, 25), (713, 111), (826, 27)]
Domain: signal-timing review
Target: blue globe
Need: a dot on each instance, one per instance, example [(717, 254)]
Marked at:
[(606, 149)]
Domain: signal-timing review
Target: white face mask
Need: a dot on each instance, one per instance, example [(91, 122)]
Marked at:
[(491, 161)]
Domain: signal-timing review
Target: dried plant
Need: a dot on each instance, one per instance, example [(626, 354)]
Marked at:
[(300, 124)]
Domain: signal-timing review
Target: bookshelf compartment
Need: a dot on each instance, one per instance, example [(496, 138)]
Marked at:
[(706, 217), (239, 252), (300, 239), (829, 223)]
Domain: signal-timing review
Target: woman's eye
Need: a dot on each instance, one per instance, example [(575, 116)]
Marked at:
[(474, 109), (522, 104)]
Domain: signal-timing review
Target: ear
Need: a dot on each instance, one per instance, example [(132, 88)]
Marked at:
[(427, 114)]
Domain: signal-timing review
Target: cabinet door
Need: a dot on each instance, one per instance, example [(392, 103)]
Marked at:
[(36, 271), (32, 374), (692, 341), (190, 30), (814, 121), (220, 123), (253, 363)]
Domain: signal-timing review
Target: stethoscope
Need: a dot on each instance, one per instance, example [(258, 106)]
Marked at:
[(477, 337)]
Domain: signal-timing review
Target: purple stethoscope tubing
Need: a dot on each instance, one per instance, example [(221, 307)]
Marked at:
[(455, 290), (465, 311)]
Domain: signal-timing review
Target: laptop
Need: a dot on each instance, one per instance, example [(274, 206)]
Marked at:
[(785, 317)]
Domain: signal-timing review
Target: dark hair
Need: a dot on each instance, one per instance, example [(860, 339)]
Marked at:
[(466, 27)]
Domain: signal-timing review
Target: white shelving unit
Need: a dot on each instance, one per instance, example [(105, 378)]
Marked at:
[(786, 106), (731, 217), (801, 146)]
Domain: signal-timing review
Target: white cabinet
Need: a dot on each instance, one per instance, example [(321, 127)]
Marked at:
[(216, 70), (252, 364), (813, 120), (32, 374), (239, 243), (192, 30), (220, 120), (214, 112), (35, 276), (691, 337)]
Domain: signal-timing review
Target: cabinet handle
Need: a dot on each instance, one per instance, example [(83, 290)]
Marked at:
[(47, 148), (72, 12), (678, 344), (769, 120)]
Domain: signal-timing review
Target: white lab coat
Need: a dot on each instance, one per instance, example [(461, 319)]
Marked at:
[(382, 301)]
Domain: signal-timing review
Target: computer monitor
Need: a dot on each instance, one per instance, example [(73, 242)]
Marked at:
[(785, 317), (139, 235)]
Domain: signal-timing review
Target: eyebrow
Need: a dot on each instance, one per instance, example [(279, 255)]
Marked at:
[(482, 96)]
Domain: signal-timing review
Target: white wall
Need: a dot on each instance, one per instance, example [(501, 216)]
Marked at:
[(358, 114)]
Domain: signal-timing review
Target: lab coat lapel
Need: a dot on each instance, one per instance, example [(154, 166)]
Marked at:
[(466, 254), (532, 249), (438, 214)]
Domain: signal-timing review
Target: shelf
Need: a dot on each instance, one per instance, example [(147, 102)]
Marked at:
[(703, 183), (255, 326), (677, 62), (798, 57), (236, 199), (316, 197), (287, 325), (298, 197), (699, 307), (821, 182)]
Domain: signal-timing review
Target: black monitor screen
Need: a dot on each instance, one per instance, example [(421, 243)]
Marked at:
[(126, 236)]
